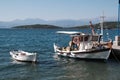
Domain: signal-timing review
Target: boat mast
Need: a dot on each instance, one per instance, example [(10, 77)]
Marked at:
[(101, 24), (118, 24)]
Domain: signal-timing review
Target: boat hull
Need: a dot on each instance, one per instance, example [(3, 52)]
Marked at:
[(97, 55), (93, 54), (115, 53), (23, 58)]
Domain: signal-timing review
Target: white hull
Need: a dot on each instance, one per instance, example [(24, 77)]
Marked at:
[(27, 57), (91, 54)]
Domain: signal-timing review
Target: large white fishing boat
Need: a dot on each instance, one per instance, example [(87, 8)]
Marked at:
[(84, 46)]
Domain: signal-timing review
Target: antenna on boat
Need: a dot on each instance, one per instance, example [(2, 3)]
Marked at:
[(101, 24), (118, 24)]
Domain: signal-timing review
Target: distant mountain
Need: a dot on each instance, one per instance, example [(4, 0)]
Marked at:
[(61, 23), (68, 23), (18, 22), (107, 25)]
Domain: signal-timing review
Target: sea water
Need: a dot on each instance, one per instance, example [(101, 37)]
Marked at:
[(50, 66)]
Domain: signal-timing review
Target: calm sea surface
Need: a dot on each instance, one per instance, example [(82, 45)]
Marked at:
[(49, 66)]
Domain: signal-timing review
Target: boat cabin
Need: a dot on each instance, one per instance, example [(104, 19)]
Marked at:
[(80, 41), (85, 42)]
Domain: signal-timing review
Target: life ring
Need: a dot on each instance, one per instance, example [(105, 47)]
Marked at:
[(76, 40)]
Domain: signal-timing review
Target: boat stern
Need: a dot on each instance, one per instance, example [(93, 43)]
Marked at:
[(55, 47)]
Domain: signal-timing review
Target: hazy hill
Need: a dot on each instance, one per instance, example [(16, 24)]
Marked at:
[(37, 26), (62, 23), (107, 25)]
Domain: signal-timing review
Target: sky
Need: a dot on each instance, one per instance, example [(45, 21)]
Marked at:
[(57, 9)]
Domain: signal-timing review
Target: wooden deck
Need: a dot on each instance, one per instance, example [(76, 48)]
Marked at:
[(115, 47)]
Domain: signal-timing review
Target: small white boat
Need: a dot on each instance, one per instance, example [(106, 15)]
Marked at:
[(23, 56), (87, 46)]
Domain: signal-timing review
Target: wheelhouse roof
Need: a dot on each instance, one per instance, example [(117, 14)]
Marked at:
[(70, 32)]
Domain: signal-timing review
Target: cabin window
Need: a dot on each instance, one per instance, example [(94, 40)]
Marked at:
[(86, 38), (81, 38), (95, 38)]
